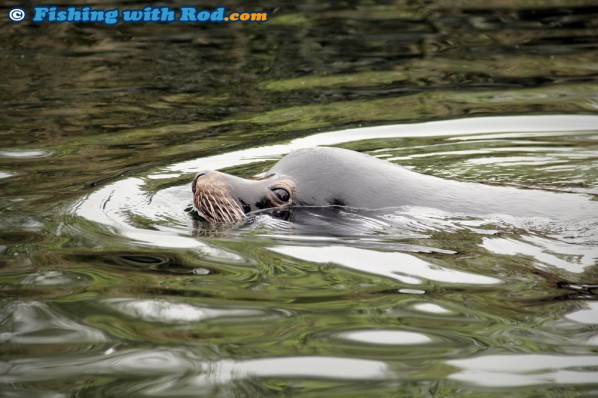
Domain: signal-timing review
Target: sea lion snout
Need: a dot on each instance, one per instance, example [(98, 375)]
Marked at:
[(197, 175), (213, 198)]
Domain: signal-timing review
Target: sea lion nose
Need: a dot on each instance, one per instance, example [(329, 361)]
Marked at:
[(199, 174)]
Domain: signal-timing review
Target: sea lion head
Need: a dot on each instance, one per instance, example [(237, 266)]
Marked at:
[(223, 198)]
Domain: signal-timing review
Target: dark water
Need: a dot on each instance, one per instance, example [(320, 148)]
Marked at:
[(111, 287)]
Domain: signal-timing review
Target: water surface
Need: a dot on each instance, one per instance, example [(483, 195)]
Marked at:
[(111, 286)]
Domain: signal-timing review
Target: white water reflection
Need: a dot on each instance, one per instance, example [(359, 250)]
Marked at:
[(177, 371), (572, 258), (24, 153), (196, 370), (587, 315), (403, 267), (526, 370), (431, 308), (166, 311), (385, 337), (26, 323)]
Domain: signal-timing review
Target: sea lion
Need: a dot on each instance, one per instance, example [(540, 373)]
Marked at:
[(325, 176)]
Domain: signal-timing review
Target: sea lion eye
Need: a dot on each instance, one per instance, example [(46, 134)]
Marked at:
[(281, 194)]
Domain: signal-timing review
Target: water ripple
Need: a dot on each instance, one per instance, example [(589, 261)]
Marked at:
[(405, 268), (37, 323), (171, 312)]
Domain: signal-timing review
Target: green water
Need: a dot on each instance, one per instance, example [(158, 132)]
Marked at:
[(110, 286)]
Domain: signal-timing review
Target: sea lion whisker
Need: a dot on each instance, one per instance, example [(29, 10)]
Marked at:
[(206, 207), (217, 208), (222, 211), (227, 217), (199, 205), (209, 202), (234, 208), (197, 200), (225, 213), (224, 205)]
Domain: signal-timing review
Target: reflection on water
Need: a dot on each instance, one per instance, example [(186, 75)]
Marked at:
[(517, 370), (400, 266), (111, 286)]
